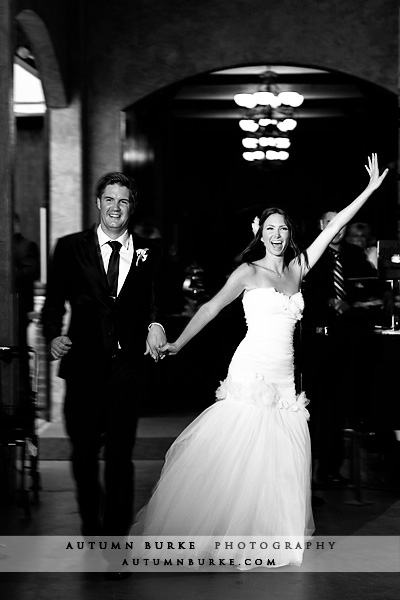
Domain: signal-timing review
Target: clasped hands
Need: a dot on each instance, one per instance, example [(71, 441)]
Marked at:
[(157, 345)]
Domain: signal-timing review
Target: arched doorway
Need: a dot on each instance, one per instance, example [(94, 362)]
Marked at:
[(184, 147)]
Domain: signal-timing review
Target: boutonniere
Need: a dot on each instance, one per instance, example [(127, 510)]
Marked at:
[(141, 254)]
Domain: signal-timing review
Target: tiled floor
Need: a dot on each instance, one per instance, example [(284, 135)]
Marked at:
[(56, 514)]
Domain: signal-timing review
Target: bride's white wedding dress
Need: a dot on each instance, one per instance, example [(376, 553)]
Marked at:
[(243, 467)]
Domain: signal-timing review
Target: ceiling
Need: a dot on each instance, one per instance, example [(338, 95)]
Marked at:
[(341, 121), (327, 95)]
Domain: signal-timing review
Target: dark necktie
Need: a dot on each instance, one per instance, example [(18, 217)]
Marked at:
[(113, 268), (338, 279)]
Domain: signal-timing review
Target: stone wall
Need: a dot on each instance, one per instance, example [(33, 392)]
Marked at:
[(114, 53), (159, 42)]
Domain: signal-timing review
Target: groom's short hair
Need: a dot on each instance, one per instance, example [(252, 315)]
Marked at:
[(116, 177)]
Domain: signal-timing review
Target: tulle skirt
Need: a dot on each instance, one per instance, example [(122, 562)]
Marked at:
[(239, 470)]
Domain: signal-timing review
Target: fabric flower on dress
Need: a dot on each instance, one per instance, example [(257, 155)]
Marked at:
[(260, 394), (221, 392), (294, 305), (255, 225), (300, 404), (284, 404), (257, 392), (141, 254)]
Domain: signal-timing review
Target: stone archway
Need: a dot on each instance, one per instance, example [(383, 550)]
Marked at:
[(42, 46), (64, 120)]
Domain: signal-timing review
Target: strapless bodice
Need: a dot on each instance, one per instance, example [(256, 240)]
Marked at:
[(261, 371), (263, 300), (272, 314)]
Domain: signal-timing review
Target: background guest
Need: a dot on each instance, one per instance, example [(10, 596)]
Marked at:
[(333, 335), (360, 234)]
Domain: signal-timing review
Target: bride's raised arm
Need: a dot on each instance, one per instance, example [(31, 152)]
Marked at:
[(319, 245)]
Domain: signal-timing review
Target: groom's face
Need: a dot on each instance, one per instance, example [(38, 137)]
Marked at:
[(115, 210)]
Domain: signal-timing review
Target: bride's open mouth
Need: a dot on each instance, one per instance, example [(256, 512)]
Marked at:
[(277, 245)]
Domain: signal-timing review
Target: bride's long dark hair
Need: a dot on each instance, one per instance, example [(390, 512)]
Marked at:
[(256, 249)]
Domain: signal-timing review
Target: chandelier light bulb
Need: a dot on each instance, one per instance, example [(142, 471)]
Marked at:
[(271, 155), (290, 124), (274, 155), (249, 142), (291, 98), (265, 122), (245, 100), (267, 141), (248, 156), (248, 125), (287, 125), (241, 99), (282, 142), (258, 155), (286, 98), (275, 101), (297, 99), (265, 98)]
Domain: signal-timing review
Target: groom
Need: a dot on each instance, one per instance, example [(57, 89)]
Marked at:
[(106, 274)]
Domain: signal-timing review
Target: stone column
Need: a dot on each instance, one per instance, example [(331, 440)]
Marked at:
[(65, 206), (65, 171), (7, 298)]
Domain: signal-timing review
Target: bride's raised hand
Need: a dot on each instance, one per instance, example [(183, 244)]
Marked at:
[(373, 172)]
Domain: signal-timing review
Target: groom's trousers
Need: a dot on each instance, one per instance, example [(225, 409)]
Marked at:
[(102, 411)]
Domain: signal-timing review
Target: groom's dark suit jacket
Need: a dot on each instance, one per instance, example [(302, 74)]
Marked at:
[(76, 274)]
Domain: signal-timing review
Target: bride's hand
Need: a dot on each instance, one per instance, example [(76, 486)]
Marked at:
[(373, 172), (168, 348)]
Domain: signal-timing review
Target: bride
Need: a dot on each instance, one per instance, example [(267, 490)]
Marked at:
[(243, 467)]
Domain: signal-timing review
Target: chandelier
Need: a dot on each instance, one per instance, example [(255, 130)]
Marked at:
[(268, 120)]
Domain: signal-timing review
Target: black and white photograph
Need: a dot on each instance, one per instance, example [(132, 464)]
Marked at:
[(199, 300)]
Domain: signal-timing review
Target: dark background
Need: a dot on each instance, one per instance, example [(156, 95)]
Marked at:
[(183, 146), (204, 195)]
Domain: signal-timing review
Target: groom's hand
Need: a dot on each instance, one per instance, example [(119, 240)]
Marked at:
[(60, 346), (155, 339)]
